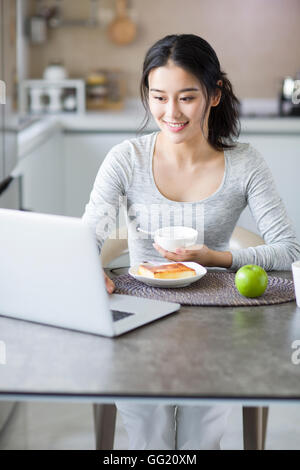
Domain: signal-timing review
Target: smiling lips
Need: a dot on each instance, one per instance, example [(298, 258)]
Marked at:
[(176, 127)]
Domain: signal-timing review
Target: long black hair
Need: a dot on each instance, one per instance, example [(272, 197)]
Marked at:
[(196, 56)]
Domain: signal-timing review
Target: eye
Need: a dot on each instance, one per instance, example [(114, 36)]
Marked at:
[(185, 98)]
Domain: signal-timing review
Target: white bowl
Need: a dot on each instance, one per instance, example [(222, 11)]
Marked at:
[(178, 236)]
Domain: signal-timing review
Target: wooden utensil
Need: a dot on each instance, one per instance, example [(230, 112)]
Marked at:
[(122, 30)]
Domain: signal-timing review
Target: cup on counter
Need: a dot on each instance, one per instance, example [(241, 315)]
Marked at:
[(296, 277)]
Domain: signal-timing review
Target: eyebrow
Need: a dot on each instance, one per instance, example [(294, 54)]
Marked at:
[(184, 89)]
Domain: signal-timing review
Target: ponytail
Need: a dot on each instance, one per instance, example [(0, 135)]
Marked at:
[(223, 122)]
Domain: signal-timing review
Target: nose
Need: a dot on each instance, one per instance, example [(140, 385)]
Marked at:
[(172, 109)]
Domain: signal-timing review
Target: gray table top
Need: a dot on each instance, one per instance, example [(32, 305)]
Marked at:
[(197, 353)]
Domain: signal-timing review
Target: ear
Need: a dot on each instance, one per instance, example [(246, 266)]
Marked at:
[(216, 98)]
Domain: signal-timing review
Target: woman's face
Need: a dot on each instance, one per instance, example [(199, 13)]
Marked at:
[(176, 102)]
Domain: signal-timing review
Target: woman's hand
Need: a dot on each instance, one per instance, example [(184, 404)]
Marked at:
[(198, 253), (109, 284)]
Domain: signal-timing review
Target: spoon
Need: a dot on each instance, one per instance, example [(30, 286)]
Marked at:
[(145, 231)]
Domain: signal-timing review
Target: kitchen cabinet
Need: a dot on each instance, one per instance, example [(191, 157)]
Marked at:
[(43, 171), (282, 154), (84, 153)]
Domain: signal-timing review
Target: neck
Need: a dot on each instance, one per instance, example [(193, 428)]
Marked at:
[(188, 153)]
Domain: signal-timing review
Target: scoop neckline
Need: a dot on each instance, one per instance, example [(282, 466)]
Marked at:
[(218, 190)]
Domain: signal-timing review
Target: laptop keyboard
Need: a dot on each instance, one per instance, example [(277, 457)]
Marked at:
[(117, 315)]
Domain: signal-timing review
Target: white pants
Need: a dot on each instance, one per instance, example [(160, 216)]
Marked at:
[(173, 427)]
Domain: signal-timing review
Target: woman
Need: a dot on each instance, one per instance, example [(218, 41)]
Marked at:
[(192, 171)]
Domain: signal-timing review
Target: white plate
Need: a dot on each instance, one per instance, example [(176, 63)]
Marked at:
[(200, 272)]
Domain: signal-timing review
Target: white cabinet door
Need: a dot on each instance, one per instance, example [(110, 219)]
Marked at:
[(282, 154), (84, 154), (43, 177)]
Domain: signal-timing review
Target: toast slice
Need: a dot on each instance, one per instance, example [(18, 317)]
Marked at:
[(166, 271)]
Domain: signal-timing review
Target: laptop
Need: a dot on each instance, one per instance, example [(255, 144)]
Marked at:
[(51, 273)]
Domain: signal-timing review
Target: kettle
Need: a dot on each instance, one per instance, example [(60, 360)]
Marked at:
[(289, 102), (55, 71)]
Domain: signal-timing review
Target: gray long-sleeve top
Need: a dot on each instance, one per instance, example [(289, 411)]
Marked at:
[(126, 178)]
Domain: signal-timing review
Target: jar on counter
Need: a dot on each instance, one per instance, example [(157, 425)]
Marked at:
[(96, 89)]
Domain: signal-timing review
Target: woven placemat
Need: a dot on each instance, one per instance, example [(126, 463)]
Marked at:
[(215, 288)]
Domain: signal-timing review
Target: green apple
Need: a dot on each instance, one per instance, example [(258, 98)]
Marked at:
[(251, 280)]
